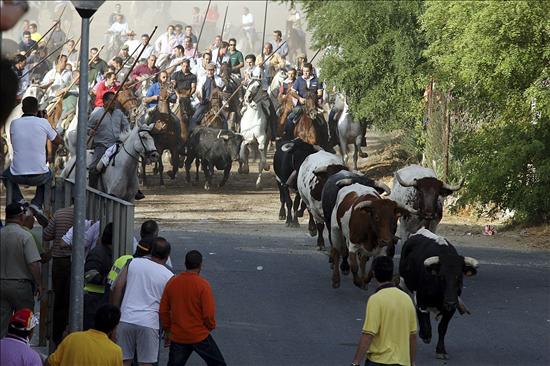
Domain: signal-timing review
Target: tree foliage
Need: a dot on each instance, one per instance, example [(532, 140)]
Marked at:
[(493, 57)]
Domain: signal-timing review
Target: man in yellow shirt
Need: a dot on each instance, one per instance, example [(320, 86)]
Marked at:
[(93, 347), (35, 36), (389, 332)]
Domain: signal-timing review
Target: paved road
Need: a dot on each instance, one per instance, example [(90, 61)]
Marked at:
[(287, 313)]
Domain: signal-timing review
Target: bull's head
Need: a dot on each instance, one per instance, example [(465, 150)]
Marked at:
[(450, 268), (428, 191), (233, 142), (381, 216), (300, 150), (380, 186)]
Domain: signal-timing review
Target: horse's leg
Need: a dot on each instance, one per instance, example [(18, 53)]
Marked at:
[(357, 149), (188, 161), (243, 168), (175, 161), (197, 164), (161, 171), (262, 165), (282, 212)]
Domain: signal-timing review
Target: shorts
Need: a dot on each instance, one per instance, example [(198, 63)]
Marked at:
[(132, 337)]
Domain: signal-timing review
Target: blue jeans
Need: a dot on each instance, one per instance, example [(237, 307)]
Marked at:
[(207, 350), (38, 180), (201, 110)]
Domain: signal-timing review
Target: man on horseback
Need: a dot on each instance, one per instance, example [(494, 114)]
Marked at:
[(105, 134), (236, 60), (206, 92), (109, 84), (305, 84), (273, 64), (185, 83)]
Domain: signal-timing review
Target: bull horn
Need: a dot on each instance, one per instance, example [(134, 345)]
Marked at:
[(287, 147), (403, 183), (362, 204), (454, 188), (469, 261), (431, 261), (411, 210), (383, 186), (344, 182)]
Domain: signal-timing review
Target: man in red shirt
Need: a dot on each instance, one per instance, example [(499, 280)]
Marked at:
[(187, 313), (109, 84), (142, 71)]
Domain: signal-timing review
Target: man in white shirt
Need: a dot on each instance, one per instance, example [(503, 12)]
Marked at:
[(163, 45), (143, 281), (249, 28), (56, 79), (28, 138), (132, 43)]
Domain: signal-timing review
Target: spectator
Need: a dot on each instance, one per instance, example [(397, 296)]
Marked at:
[(163, 45), (71, 52), (389, 332), (56, 227), (14, 348), (189, 32), (143, 280), (190, 49), (58, 36), (96, 269), (19, 267), (35, 36), (94, 346), (28, 138), (27, 43), (248, 26), (148, 50), (214, 48), (131, 45), (28, 224), (187, 314), (178, 35)]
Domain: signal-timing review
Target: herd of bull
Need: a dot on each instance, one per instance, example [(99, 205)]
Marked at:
[(361, 217)]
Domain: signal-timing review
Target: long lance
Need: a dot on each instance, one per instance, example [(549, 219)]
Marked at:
[(315, 55), (218, 59), (44, 59), (60, 97), (41, 38), (202, 27), (125, 61), (263, 34), (121, 85), (240, 86)]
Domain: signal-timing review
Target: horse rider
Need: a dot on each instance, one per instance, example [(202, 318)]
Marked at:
[(185, 84), (56, 82), (307, 83), (164, 45), (143, 71), (278, 44), (205, 92), (256, 71), (301, 61), (105, 134), (152, 98), (200, 68), (288, 82), (273, 64), (235, 57), (109, 84), (177, 58), (20, 69)]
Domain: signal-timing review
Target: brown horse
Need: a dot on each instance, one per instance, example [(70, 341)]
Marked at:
[(306, 127), (129, 104), (212, 118), (184, 111), (286, 105), (168, 138), (53, 115)]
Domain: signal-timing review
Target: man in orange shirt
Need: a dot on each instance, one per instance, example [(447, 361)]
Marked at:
[(187, 312)]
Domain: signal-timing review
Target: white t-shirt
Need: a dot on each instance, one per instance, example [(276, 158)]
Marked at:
[(28, 139), (144, 286), (248, 18)]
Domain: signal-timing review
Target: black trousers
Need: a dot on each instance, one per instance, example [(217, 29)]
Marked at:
[(207, 350), (61, 283)]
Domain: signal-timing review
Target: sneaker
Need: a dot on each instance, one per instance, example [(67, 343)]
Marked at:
[(39, 215)]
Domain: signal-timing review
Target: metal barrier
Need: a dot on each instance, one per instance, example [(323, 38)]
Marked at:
[(99, 206)]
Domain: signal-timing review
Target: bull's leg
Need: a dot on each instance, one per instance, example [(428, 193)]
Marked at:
[(320, 239), (207, 174), (440, 351), (312, 228), (345, 264), (295, 206), (226, 173), (357, 281), (425, 327), (288, 201), (282, 211), (188, 161), (367, 277), (300, 212), (243, 163), (197, 165), (175, 161)]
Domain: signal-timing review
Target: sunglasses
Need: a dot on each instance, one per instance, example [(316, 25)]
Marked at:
[(232, 44)]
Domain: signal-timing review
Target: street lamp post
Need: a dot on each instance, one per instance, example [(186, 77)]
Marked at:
[(85, 8)]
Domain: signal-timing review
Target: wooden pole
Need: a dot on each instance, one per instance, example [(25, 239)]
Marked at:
[(263, 34), (202, 27), (447, 135), (218, 58)]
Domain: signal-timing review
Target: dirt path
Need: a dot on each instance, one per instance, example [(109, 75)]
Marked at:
[(240, 208)]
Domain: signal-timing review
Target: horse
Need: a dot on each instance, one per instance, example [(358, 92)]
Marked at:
[(254, 129), (212, 118), (233, 106), (129, 104), (310, 124), (349, 132), (168, 139), (120, 178), (285, 107), (275, 85)]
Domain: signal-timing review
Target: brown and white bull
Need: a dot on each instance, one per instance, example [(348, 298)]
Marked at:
[(418, 187), (362, 223), (313, 174)]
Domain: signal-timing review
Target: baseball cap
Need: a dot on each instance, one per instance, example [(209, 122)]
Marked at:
[(125, 47), (14, 209), (23, 319)]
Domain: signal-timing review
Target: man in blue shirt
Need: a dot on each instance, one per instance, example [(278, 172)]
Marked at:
[(152, 97)]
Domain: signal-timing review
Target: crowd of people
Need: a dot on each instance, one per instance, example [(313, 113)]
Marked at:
[(131, 303)]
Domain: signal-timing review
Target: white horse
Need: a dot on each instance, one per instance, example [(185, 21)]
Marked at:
[(254, 129), (120, 178), (349, 131), (276, 83)]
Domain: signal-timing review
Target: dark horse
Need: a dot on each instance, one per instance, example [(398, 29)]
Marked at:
[(311, 126), (169, 139), (233, 107)]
